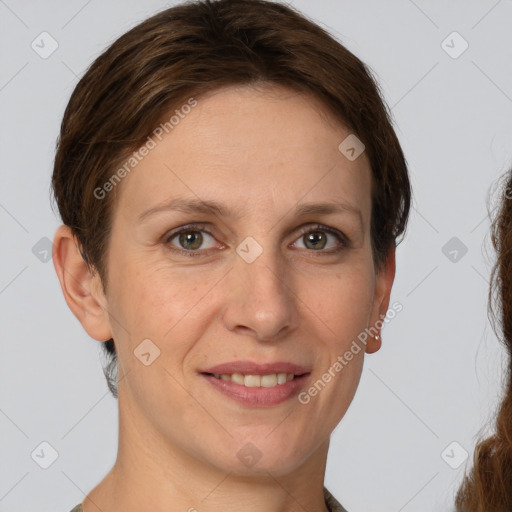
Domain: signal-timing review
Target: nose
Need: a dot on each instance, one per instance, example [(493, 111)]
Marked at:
[(261, 301)]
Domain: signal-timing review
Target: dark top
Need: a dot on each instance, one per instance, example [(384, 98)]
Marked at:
[(332, 503)]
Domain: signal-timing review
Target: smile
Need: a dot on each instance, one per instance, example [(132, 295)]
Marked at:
[(257, 391), (253, 381)]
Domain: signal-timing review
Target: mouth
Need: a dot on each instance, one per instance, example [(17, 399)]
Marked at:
[(257, 385), (269, 380)]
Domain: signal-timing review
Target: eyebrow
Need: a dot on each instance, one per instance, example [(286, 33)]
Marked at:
[(214, 207)]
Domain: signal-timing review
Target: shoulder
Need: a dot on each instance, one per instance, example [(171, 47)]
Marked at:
[(78, 508), (332, 503)]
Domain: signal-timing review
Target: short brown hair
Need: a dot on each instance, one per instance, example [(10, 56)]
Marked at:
[(194, 48)]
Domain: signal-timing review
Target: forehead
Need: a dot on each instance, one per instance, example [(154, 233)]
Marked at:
[(256, 149)]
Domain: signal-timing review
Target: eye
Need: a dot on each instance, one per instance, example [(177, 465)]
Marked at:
[(318, 238), (190, 239)]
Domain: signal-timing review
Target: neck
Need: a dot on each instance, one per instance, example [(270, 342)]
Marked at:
[(150, 475)]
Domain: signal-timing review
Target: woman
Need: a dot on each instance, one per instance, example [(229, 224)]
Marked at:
[(489, 485), (232, 193)]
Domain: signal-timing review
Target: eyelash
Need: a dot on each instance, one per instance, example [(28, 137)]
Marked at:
[(344, 240)]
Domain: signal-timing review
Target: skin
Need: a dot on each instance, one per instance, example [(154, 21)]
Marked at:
[(259, 151)]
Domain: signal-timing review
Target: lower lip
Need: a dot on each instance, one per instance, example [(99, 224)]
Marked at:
[(258, 396)]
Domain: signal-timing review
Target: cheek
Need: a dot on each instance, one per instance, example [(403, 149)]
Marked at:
[(154, 301), (150, 304), (340, 310), (344, 300)]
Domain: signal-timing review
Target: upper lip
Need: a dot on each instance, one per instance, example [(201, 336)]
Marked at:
[(252, 368)]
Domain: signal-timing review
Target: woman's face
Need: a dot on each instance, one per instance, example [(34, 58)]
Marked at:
[(257, 287)]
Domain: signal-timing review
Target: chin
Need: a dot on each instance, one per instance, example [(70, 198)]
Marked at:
[(257, 456)]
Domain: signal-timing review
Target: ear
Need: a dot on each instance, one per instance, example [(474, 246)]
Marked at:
[(383, 285), (82, 289)]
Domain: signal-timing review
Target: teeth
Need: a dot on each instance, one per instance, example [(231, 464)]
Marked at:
[(268, 381), (254, 381), (237, 378)]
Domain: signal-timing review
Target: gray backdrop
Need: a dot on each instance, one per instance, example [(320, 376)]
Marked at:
[(423, 397)]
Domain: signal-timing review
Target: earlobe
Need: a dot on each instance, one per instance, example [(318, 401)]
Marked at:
[(81, 288), (373, 344), (384, 283)]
